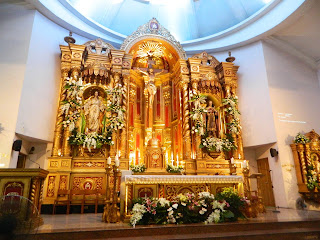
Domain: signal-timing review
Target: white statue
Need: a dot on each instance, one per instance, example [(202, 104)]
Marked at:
[(92, 109)]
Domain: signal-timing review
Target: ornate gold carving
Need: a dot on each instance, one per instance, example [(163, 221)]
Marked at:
[(98, 47), (206, 59), (146, 31), (84, 183), (63, 182), (54, 164), (89, 164), (171, 191), (51, 186)]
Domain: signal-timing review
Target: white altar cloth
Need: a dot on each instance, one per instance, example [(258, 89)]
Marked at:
[(169, 179)]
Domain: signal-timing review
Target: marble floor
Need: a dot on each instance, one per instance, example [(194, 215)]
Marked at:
[(91, 221)]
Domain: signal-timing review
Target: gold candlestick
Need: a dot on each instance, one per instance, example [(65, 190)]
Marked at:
[(233, 168), (115, 211), (246, 183), (107, 207)]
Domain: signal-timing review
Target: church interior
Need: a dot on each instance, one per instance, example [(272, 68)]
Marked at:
[(118, 117)]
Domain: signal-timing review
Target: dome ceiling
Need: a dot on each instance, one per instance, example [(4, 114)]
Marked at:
[(185, 19)]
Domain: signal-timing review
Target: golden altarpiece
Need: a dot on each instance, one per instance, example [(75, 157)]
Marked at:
[(159, 127)]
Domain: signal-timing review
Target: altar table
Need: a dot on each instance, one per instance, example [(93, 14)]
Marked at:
[(169, 186)]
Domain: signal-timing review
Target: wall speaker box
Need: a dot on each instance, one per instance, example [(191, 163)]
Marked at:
[(17, 145)]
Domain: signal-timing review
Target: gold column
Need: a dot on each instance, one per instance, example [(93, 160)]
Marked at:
[(115, 135), (196, 137), (65, 68), (76, 62), (66, 147), (229, 72), (186, 119), (300, 149), (123, 144)]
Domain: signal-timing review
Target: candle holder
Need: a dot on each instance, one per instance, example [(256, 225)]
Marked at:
[(107, 207), (233, 168), (115, 211), (246, 185)]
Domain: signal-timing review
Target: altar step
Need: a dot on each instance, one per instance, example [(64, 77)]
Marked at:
[(293, 230)]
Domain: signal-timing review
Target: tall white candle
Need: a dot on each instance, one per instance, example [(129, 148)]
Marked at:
[(116, 161), (232, 160), (109, 160), (244, 164), (239, 156)]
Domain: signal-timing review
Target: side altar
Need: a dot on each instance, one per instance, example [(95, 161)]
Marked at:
[(145, 104)]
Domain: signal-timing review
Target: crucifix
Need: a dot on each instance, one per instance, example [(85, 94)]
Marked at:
[(150, 88)]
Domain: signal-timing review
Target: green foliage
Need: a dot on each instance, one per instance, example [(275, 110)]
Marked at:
[(138, 168), (235, 201), (174, 169), (187, 208), (300, 138)]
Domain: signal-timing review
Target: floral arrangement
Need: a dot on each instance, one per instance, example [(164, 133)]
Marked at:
[(300, 138), (139, 168), (90, 140), (196, 114), (312, 179), (236, 202), (230, 107), (71, 107), (116, 119), (216, 144), (184, 208), (174, 169)]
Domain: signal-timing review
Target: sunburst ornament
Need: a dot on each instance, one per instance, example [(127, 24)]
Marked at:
[(151, 49)]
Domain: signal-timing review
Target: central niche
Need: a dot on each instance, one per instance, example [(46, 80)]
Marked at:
[(152, 116)]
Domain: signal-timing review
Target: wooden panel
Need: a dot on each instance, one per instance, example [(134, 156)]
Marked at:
[(265, 183)]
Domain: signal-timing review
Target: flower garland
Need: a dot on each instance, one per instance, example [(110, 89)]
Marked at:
[(116, 119), (174, 169), (312, 179), (230, 107), (184, 208), (300, 138), (197, 112), (71, 107), (139, 168)]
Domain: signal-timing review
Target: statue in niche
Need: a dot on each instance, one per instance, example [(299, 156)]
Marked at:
[(212, 120), (92, 110)]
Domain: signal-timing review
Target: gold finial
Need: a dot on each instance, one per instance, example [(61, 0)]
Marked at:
[(69, 39), (230, 58)]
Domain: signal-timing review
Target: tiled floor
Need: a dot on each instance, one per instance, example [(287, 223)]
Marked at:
[(89, 221)]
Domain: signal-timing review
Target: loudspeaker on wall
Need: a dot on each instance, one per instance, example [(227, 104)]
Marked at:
[(17, 145)]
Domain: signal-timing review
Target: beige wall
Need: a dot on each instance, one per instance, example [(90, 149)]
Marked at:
[(30, 78), (16, 22), (295, 98)]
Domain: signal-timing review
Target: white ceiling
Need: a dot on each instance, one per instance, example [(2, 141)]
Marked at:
[(303, 35)]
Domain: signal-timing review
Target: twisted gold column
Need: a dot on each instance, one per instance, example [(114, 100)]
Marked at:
[(186, 118), (58, 132), (123, 139)]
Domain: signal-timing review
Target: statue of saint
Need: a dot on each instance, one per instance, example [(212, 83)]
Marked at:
[(150, 87), (211, 120), (92, 108)]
